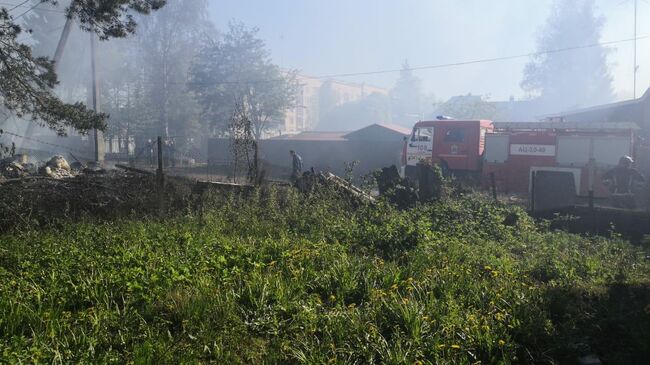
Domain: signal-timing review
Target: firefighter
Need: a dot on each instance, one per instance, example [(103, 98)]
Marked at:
[(621, 181), (296, 166)]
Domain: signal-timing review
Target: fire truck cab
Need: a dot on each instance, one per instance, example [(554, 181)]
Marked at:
[(455, 145)]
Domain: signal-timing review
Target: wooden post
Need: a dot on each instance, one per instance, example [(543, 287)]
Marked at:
[(592, 177), (532, 191), (255, 166), (493, 185), (160, 172)]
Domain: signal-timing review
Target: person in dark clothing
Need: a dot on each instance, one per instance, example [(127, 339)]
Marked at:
[(621, 181), (296, 167)]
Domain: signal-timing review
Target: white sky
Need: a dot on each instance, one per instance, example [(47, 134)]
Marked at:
[(322, 37), (346, 36)]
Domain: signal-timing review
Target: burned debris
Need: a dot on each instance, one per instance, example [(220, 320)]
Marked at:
[(310, 181)]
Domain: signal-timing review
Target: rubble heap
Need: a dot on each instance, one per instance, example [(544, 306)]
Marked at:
[(15, 167), (57, 168), (43, 200), (311, 180)]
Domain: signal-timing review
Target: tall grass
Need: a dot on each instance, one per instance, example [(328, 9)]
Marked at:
[(277, 277)]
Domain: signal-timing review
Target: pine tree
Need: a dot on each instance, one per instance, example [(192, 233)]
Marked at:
[(574, 78), (406, 97), (27, 81)]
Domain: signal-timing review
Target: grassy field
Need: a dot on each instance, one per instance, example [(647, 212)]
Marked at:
[(278, 277)]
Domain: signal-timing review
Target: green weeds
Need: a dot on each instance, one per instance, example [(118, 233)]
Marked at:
[(277, 277)]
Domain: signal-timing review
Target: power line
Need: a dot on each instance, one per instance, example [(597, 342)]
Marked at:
[(17, 6), (27, 6), (485, 60), (28, 10), (29, 34), (67, 148), (429, 67)]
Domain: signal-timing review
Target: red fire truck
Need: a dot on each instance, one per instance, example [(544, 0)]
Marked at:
[(514, 151)]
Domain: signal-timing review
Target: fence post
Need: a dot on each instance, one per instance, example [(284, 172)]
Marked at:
[(493, 185), (592, 173), (160, 172), (532, 192)]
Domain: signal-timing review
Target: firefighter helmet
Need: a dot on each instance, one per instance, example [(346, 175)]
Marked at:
[(626, 161)]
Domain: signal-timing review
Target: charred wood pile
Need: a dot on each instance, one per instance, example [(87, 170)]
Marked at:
[(56, 191), (311, 181)]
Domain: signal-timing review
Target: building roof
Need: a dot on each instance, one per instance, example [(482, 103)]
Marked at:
[(618, 126), (314, 136), (379, 132), (607, 106), (373, 132), (627, 110), (397, 128)]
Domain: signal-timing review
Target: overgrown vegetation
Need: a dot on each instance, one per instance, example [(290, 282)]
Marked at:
[(280, 277)]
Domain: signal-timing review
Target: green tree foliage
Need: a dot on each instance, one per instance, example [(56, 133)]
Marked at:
[(166, 45), (109, 18), (144, 77), (406, 97), (27, 81), (467, 107), (564, 80), (237, 69)]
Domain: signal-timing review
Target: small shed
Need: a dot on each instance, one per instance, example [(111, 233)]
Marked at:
[(373, 147), (379, 132)]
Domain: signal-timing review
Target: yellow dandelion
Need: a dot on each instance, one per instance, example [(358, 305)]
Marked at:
[(417, 362), (455, 347), (332, 298), (441, 346), (488, 268), (393, 287), (495, 273), (405, 300), (502, 342)]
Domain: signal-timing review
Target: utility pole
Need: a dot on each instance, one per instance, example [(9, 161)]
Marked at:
[(635, 66), (97, 134)]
